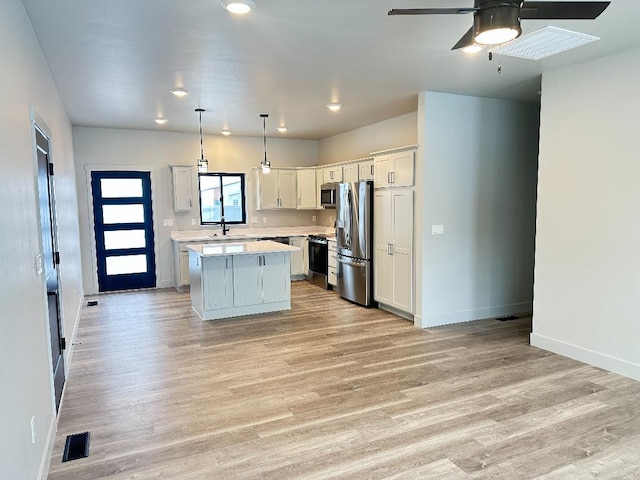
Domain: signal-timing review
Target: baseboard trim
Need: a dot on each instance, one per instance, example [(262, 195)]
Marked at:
[(45, 463), (475, 314), (395, 311), (597, 359)]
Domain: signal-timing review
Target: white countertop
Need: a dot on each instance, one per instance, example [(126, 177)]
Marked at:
[(240, 248), (238, 233)]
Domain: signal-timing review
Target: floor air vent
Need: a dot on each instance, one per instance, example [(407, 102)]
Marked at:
[(76, 446), (509, 317)]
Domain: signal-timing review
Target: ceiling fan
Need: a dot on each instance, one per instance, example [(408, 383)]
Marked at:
[(498, 21)]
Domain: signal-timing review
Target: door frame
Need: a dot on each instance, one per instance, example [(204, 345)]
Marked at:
[(88, 169), (37, 122)]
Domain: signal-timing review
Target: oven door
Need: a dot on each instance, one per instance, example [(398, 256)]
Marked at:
[(318, 256)]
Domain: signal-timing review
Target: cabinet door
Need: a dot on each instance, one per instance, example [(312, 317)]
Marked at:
[(307, 189), (182, 190), (305, 256), (402, 258), (287, 188), (403, 169), (383, 238), (297, 257), (383, 168), (333, 174), (216, 283), (365, 170), (350, 173), (276, 280), (183, 265), (319, 182), (247, 280), (268, 190)]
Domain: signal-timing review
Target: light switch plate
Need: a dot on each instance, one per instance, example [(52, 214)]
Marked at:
[(39, 264), (168, 222), (193, 221), (255, 220), (437, 229)]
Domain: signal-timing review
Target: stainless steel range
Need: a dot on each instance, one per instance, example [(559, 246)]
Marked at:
[(318, 260)]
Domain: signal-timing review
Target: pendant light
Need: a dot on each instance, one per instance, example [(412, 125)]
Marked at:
[(203, 163), (265, 164)]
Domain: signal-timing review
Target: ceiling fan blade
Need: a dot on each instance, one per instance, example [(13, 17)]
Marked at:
[(465, 41), (562, 10), (430, 11)]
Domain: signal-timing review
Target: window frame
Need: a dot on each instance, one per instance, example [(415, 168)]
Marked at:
[(243, 195)]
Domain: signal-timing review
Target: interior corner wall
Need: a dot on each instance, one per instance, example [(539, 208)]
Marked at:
[(478, 175), (359, 143), (587, 264), (156, 150), (25, 364)]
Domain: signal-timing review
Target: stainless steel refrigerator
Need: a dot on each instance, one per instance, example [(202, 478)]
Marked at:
[(354, 236)]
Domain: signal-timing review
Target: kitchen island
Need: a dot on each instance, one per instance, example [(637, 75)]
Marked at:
[(240, 278)]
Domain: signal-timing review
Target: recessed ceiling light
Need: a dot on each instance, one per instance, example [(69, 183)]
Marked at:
[(282, 129), (225, 132), (472, 49), (239, 7), (334, 107), (179, 92), (160, 121)]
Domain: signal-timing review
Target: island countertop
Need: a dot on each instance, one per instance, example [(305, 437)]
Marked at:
[(240, 248)]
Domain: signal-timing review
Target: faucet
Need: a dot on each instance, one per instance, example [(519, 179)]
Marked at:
[(225, 229)]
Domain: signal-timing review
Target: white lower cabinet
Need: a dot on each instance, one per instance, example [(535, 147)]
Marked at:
[(259, 279), (216, 283), (300, 259), (393, 254), (332, 263)]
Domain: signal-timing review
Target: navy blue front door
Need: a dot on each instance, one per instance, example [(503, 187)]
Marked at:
[(123, 219)]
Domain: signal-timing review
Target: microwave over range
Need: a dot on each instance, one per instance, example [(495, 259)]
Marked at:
[(328, 193)]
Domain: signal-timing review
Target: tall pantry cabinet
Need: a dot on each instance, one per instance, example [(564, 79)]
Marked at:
[(393, 238)]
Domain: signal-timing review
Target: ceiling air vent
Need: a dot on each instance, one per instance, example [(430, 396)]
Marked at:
[(543, 43)]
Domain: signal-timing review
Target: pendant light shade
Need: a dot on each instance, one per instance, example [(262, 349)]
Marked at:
[(265, 164), (203, 163)]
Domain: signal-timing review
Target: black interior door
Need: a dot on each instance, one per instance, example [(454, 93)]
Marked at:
[(50, 260), (123, 219)]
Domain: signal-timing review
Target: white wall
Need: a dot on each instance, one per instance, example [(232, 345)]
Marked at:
[(25, 364), (359, 143), (587, 274), (476, 175), (156, 151)]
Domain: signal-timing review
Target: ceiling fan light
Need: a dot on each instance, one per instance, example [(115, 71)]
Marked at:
[(497, 25), (497, 36), (334, 107), (225, 132), (239, 7)]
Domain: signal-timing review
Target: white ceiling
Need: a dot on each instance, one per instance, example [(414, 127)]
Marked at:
[(114, 61)]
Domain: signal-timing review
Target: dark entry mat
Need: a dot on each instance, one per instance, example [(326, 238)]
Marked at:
[(92, 303), (76, 446)]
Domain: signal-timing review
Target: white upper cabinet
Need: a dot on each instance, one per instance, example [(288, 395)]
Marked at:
[(307, 196), (350, 173), (394, 169), (277, 189), (319, 182), (182, 187), (366, 170), (332, 174)]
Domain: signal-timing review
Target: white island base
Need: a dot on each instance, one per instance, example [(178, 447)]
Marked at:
[(235, 279)]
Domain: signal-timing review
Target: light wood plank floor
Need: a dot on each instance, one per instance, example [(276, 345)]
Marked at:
[(332, 390)]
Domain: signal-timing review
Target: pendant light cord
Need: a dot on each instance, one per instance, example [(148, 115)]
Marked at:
[(201, 147), (264, 136)]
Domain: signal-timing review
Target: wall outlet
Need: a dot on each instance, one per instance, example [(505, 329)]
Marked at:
[(168, 222), (193, 221), (437, 229), (33, 430), (264, 219), (313, 218), (255, 220)]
